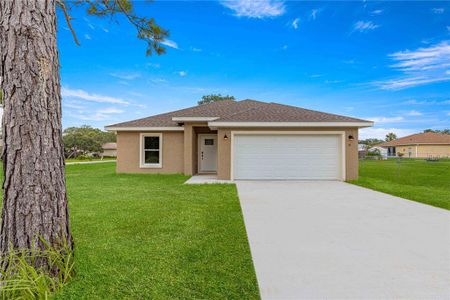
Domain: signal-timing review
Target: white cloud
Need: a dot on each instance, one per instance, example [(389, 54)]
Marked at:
[(170, 43), (80, 94), (414, 113), (448, 114), (105, 30), (110, 110), (376, 12), (448, 28), (158, 80), (182, 73), (386, 119), (295, 23), (284, 47), (255, 9), (380, 133), (126, 76), (314, 13), (196, 49), (421, 66), (364, 26), (87, 36), (153, 65), (438, 10), (426, 102)]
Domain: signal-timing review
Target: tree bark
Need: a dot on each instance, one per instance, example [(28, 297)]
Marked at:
[(34, 200)]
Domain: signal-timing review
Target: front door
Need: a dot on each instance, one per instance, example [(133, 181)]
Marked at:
[(207, 154)]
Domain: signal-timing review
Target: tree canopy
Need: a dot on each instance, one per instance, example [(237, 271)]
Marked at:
[(443, 131), (390, 137), (85, 139), (214, 97), (371, 142)]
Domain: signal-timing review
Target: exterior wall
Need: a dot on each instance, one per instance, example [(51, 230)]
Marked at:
[(424, 151), (128, 153), (109, 153), (224, 149)]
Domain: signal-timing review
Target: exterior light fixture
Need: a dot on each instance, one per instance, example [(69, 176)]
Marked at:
[(225, 137), (351, 138)]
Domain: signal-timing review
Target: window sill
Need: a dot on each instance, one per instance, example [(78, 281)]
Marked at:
[(152, 166)]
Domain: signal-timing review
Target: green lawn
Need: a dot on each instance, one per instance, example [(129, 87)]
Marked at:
[(417, 180), (150, 236)]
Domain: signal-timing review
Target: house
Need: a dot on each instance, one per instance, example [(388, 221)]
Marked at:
[(109, 150), (420, 145), (382, 151), (245, 139)]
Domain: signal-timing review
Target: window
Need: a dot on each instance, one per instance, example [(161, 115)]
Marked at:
[(209, 142), (151, 150)]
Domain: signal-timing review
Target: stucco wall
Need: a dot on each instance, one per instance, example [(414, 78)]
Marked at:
[(224, 149), (128, 153), (424, 151)]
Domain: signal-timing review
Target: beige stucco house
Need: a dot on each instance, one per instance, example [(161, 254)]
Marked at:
[(109, 150), (245, 139), (420, 145)]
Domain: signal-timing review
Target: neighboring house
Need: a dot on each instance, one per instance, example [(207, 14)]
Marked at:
[(382, 151), (242, 140), (362, 150), (420, 145), (109, 150)]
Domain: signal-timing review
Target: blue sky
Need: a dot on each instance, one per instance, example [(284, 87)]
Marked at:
[(387, 62)]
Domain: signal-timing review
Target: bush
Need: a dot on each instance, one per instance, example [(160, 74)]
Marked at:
[(22, 280)]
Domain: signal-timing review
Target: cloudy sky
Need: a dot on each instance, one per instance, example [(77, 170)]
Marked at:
[(387, 62)]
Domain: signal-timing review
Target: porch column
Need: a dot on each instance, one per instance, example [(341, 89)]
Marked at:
[(188, 149)]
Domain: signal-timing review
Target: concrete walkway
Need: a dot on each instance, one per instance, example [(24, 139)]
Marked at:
[(89, 162), (205, 179), (317, 240)]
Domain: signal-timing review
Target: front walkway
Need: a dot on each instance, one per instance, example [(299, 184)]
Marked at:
[(204, 179), (333, 240)]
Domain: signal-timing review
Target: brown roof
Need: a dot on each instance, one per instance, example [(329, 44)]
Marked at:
[(240, 111), (419, 138)]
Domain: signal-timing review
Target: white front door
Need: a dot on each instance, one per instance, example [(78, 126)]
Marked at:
[(207, 154)]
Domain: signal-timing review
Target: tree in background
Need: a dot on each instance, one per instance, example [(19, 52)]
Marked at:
[(443, 131), (85, 139), (214, 98), (34, 212), (390, 137), (371, 142)]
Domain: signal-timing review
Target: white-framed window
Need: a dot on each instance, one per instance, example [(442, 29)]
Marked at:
[(151, 150)]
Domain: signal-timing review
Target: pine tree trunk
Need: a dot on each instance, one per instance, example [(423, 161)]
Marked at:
[(34, 200)]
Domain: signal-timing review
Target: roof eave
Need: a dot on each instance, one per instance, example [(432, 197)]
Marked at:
[(119, 128), (290, 124)]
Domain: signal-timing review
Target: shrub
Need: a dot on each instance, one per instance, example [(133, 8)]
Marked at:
[(22, 280)]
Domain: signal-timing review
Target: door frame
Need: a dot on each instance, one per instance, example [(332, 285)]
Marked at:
[(338, 133), (199, 145)]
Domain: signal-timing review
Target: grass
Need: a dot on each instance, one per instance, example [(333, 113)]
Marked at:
[(150, 236), (414, 179)]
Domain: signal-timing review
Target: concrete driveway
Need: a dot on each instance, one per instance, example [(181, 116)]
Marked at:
[(334, 240)]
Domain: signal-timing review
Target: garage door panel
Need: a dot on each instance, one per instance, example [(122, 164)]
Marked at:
[(287, 157)]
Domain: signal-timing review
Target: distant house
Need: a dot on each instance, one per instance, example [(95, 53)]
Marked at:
[(110, 150), (382, 151), (420, 145)]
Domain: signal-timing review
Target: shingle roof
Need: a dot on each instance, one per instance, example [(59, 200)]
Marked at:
[(240, 111), (419, 138)]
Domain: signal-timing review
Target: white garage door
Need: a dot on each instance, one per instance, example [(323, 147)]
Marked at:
[(296, 156)]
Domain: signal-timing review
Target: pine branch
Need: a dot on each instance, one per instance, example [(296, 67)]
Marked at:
[(68, 19)]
